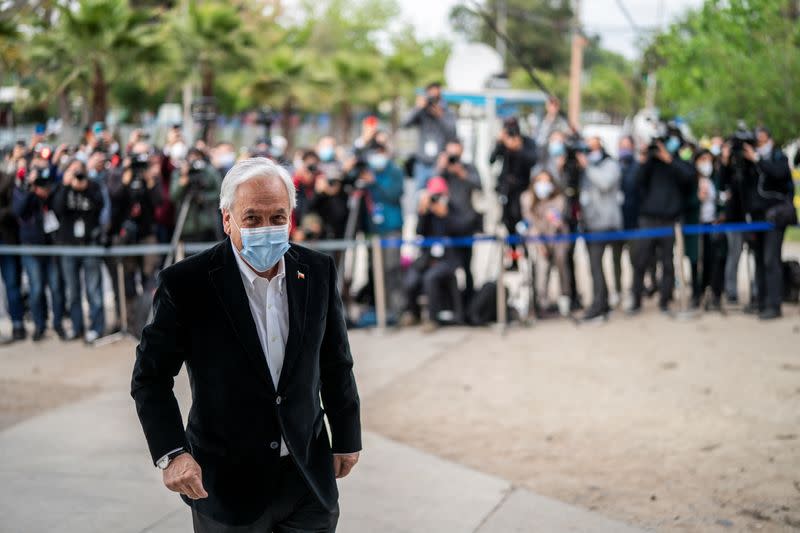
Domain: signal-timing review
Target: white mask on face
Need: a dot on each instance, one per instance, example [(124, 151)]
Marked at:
[(543, 189), (705, 168)]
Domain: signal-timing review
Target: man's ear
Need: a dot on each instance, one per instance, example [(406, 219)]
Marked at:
[(226, 221)]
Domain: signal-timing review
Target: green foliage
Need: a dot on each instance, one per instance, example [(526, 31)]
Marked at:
[(731, 60)]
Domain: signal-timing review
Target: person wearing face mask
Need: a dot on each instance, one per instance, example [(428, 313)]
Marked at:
[(435, 124), (259, 324), (10, 265), (383, 181), (663, 180), (761, 186), (600, 208), (198, 178), (38, 224), (713, 249), (78, 204), (544, 207), (553, 121), (463, 182), (433, 272)]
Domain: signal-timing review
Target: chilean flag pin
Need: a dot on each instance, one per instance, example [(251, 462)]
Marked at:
[(300, 275)]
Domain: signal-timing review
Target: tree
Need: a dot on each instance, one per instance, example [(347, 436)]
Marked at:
[(738, 59), (95, 41), (539, 30)]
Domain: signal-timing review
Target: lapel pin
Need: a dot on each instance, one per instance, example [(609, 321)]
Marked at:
[(300, 275)]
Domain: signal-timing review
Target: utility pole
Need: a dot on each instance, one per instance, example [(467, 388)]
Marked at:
[(576, 67), (502, 26)]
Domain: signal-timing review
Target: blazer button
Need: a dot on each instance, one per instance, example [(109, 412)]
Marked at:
[(278, 400), (274, 445)]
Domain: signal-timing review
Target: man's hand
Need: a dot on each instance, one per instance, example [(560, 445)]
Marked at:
[(183, 475), (344, 463), (663, 154), (750, 154), (583, 162)]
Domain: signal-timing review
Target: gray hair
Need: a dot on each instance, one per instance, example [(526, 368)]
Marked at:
[(247, 169)]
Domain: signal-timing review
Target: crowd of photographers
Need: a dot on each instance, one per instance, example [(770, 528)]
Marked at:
[(550, 186)]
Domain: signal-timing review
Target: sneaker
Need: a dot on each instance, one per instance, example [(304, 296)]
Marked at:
[(62, 334), (769, 314), (596, 315), (19, 333), (634, 309), (91, 336), (38, 335), (75, 335), (563, 305), (614, 300), (408, 319)]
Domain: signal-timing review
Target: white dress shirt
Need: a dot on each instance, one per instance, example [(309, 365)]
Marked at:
[(269, 306)]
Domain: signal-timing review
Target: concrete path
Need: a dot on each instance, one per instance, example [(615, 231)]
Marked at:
[(83, 467)]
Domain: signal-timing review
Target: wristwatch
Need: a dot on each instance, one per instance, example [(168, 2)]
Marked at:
[(164, 462)]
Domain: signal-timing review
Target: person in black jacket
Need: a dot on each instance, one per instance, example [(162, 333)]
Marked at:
[(78, 204), (38, 223), (433, 273), (760, 181), (518, 153), (663, 180), (10, 266), (259, 324)]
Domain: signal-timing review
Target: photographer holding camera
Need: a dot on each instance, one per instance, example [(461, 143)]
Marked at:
[(136, 193), (78, 204), (436, 124), (760, 182), (197, 182), (518, 153), (463, 181), (663, 180)]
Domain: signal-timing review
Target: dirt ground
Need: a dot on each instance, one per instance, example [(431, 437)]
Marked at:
[(669, 424)]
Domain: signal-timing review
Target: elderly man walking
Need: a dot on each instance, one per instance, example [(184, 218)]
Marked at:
[(258, 322)]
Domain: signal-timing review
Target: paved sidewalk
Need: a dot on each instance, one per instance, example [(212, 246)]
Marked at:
[(83, 468)]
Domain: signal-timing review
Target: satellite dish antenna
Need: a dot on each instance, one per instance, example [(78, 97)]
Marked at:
[(471, 66)]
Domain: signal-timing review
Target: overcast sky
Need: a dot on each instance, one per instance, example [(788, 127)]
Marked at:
[(601, 17)]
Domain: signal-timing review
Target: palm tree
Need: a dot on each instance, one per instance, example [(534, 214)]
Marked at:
[(208, 39), (98, 41)]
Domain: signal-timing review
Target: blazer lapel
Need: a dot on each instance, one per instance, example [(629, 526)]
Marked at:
[(297, 295), (227, 280)]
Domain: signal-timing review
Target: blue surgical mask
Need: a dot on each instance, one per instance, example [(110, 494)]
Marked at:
[(625, 153), (715, 150), (326, 154), (378, 162), (595, 156), (92, 174), (263, 247), (673, 143), (556, 149)]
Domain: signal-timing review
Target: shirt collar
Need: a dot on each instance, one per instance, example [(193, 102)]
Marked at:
[(250, 275)]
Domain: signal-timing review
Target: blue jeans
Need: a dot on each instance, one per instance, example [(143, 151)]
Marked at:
[(44, 272), (93, 281), (11, 270), (422, 173)]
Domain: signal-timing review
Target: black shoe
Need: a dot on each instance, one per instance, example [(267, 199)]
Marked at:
[(650, 291), (733, 300), (575, 305), (19, 334), (751, 309), (62, 334), (715, 304), (634, 309), (38, 335), (74, 336), (598, 314), (769, 314), (664, 308)]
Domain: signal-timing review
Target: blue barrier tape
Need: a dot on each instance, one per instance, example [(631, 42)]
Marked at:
[(337, 245)]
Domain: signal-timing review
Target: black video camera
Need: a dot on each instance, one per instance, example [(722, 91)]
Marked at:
[(352, 178), (573, 145), (739, 138), (139, 162)]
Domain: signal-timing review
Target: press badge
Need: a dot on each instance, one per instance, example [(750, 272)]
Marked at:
[(437, 250), (431, 148), (79, 229), (50, 222)]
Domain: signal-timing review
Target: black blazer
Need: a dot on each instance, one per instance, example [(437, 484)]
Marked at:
[(202, 318)]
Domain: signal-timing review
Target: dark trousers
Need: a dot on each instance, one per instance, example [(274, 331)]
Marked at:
[(92, 284), (295, 509), (44, 272), (465, 254), (644, 250), (767, 247), (11, 271), (599, 286), (435, 282), (714, 254)]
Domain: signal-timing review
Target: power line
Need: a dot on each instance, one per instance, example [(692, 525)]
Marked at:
[(627, 15)]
